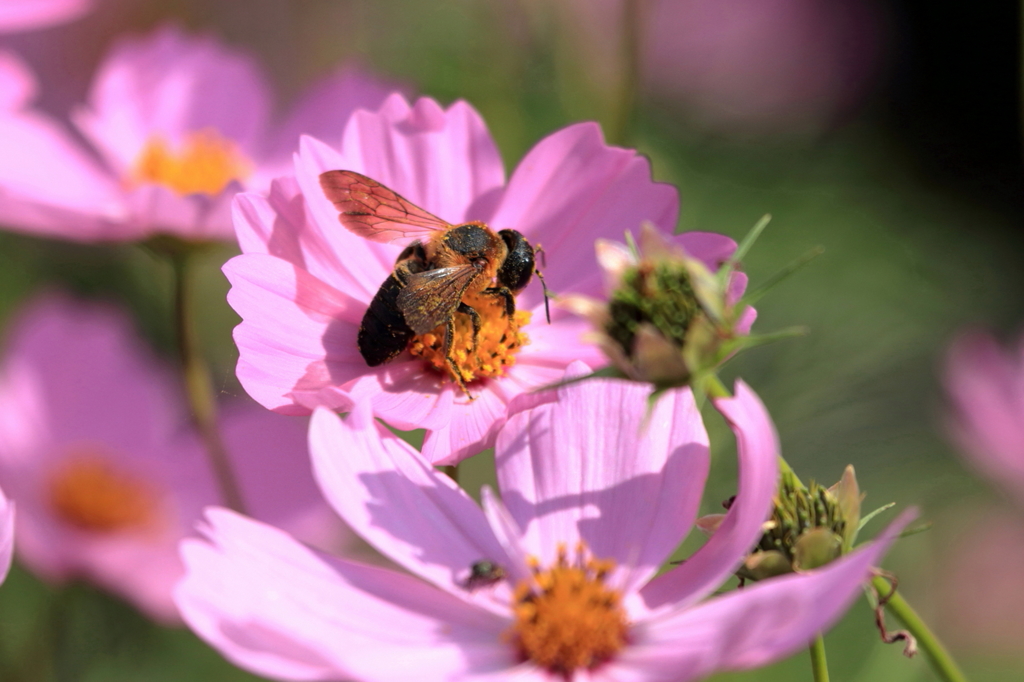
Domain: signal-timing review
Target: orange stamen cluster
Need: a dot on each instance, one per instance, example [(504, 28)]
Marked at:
[(495, 348), (88, 492), (204, 164), (567, 618)]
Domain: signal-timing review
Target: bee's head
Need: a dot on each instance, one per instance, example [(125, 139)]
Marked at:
[(515, 272)]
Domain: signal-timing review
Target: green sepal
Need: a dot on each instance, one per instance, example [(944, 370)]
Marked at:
[(868, 517), (754, 296), (742, 249)]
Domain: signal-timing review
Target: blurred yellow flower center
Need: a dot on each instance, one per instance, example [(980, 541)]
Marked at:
[(88, 492), (203, 164), (567, 618), (494, 349)]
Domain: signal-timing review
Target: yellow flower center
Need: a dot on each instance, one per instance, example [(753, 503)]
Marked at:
[(494, 348), (567, 618), (203, 164), (88, 492)]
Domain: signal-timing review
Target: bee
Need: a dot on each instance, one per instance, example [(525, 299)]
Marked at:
[(483, 574), (434, 274)]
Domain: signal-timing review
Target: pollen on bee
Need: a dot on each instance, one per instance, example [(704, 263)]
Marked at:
[(494, 349), (88, 491), (203, 164)]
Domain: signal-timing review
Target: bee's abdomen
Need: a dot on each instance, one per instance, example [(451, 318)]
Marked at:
[(383, 333)]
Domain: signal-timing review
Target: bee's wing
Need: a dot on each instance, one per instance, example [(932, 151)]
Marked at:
[(375, 212), (430, 297)]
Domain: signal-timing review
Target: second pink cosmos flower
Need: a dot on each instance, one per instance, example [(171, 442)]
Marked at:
[(557, 579)]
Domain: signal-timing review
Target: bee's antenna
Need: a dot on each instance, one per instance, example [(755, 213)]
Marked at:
[(539, 251)]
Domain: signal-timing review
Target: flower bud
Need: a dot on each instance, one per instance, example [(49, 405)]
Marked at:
[(668, 317), (810, 526)]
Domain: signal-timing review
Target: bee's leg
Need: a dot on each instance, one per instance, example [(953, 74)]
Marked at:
[(505, 293), (474, 316), (547, 294), (449, 335)]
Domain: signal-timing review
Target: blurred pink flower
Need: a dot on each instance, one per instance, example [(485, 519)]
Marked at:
[(107, 473), (592, 496), (304, 282), (738, 65), (985, 383), (6, 535), (979, 596), (177, 124), (21, 15), (763, 64)]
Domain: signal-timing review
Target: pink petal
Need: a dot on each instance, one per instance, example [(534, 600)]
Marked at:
[(365, 264), (471, 427), (986, 386), (711, 248), (6, 535), (270, 457), (170, 83), (297, 339), (121, 377), (279, 224), (577, 469), (18, 84), (571, 189), (757, 449), (157, 209), (20, 15), (444, 161), (404, 395), (509, 535), (756, 625), (50, 185), (396, 501), (279, 609), (558, 344)]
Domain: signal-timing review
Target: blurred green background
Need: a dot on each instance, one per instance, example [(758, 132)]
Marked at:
[(900, 156)]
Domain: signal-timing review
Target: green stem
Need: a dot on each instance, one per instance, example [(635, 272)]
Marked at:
[(714, 388), (819, 664), (199, 385), (939, 657), (452, 470), (629, 75)]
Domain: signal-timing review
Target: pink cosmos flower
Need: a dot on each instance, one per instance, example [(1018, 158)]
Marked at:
[(108, 476), (6, 535), (177, 124), (986, 385), (20, 15), (554, 580), (304, 282)]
